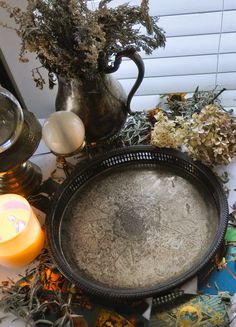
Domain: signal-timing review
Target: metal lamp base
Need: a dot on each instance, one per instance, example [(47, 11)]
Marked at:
[(23, 179)]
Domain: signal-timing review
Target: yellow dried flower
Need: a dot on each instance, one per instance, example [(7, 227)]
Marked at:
[(165, 133)]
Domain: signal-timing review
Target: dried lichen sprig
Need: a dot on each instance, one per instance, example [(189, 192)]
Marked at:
[(28, 299), (178, 104), (136, 130), (71, 40)]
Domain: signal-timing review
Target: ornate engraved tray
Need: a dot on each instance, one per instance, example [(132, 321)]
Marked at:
[(136, 222)]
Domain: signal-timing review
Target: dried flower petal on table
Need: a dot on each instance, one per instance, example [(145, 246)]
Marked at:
[(111, 319), (5, 283), (151, 114)]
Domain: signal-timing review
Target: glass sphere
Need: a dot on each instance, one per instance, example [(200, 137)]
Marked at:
[(64, 133), (11, 119)]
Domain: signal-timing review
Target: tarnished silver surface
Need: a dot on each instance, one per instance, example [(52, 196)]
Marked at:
[(99, 100), (138, 227)]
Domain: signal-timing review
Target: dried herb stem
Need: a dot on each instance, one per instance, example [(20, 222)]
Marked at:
[(74, 41), (28, 298)]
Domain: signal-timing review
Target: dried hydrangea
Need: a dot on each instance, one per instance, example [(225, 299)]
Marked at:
[(166, 132), (199, 124), (210, 136), (73, 41)]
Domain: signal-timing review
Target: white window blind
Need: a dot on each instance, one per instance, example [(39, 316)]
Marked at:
[(200, 51)]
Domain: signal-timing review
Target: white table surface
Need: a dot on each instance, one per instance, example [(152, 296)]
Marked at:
[(47, 165)]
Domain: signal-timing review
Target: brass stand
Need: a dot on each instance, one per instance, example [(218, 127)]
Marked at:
[(23, 179), (17, 174)]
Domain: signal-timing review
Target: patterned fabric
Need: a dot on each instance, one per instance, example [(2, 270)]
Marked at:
[(218, 282), (94, 314), (205, 311), (223, 277)]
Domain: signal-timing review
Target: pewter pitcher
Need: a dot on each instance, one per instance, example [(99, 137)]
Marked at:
[(100, 101)]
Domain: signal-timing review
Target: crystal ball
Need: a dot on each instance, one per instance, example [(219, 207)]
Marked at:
[(11, 119), (63, 133)]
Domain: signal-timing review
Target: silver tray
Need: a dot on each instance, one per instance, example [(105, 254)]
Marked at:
[(137, 222)]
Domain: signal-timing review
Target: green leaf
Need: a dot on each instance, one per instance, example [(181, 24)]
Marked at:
[(230, 235)]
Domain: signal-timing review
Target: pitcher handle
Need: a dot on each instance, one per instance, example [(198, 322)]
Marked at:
[(133, 55)]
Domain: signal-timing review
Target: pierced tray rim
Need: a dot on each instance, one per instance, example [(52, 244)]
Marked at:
[(87, 170)]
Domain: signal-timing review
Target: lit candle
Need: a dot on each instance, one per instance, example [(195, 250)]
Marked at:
[(21, 236)]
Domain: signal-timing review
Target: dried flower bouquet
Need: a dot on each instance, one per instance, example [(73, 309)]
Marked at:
[(199, 124), (72, 40)]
